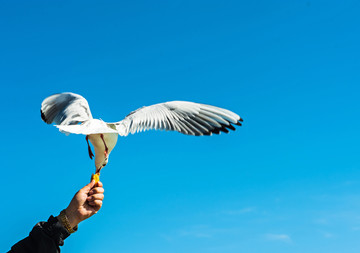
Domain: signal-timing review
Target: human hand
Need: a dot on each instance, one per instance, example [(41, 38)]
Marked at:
[(86, 202)]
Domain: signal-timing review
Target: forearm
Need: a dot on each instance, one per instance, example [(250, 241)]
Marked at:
[(45, 237)]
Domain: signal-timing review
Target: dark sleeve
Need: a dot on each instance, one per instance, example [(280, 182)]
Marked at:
[(45, 237)]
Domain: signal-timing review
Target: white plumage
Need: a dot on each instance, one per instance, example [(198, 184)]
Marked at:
[(71, 114)]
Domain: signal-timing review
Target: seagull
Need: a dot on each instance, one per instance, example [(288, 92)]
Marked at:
[(71, 114)]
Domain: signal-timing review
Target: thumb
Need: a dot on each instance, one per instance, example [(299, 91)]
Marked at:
[(88, 187)]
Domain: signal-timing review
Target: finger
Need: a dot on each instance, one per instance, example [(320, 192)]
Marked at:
[(88, 187), (93, 197), (96, 204), (96, 190), (99, 184)]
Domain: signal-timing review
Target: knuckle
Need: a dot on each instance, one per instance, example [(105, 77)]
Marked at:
[(98, 190), (99, 196)]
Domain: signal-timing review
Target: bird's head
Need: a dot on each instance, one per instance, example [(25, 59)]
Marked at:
[(101, 164)]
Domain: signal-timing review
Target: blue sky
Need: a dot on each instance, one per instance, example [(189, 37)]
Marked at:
[(287, 181)]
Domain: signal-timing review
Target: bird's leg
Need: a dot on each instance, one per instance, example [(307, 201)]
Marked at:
[(106, 148), (89, 148)]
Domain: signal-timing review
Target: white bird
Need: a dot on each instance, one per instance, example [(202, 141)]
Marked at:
[(71, 114)]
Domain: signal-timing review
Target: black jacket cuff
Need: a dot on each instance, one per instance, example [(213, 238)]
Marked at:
[(54, 229)]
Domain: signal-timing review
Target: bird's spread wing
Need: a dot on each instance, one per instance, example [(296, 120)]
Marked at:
[(65, 109), (185, 117)]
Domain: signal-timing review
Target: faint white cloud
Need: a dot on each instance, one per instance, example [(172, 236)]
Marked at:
[(278, 237), (231, 247), (198, 234), (203, 231), (167, 237), (328, 235), (239, 211), (350, 182), (277, 200), (198, 231), (321, 221)]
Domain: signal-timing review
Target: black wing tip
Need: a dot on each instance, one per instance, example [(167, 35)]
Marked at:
[(224, 128), (239, 122), (215, 131), (43, 116), (231, 127)]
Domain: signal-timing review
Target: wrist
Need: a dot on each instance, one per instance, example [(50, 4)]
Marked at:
[(73, 219), (68, 221)]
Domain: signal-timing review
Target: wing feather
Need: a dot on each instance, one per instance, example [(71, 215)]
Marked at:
[(185, 117), (65, 109)]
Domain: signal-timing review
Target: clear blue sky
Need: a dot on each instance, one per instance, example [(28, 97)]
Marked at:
[(287, 181)]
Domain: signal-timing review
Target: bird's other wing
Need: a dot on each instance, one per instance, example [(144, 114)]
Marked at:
[(65, 109), (185, 117)]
